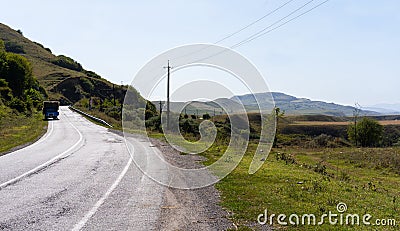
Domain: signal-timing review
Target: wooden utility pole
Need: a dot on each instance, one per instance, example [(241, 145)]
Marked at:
[(113, 89), (356, 112), (122, 95), (168, 79)]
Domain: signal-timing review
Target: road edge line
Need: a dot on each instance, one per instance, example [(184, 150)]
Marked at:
[(78, 226), (44, 165)]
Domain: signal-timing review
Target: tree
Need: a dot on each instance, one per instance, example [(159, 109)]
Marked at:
[(369, 132), (18, 74), (206, 116)]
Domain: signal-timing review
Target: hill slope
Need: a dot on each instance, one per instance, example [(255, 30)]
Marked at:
[(63, 78)]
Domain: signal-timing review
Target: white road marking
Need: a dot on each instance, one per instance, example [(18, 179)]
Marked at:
[(78, 226), (44, 165), (47, 135)]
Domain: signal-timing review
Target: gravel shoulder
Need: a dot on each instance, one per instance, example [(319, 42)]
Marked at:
[(194, 209)]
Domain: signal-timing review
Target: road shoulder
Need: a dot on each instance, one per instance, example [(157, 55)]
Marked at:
[(195, 209)]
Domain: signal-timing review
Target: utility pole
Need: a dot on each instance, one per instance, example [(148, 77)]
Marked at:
[(122, 96), (356, 112), (113, 89), (168, 78)]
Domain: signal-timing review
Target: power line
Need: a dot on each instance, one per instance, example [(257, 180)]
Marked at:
[(257, 35), (260, 33), (249, 25), (264, 32), (276, 22), (240, 30)]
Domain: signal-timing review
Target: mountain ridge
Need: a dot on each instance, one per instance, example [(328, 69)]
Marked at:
[(291, 105)]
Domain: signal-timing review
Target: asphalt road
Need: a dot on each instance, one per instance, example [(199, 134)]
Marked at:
[(78, 176)]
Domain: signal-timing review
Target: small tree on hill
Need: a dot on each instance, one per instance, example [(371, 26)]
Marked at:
[(206, 116), (369, 132), (278, 115)]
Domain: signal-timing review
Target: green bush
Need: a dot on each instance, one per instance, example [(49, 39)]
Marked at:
[(5, 91), (92, 74), (206, 116), (67, 62), (2, 46), (154, 123), (18, 87), (14, 48), (18, 104), (18, 74), (367, 133), (87, 85)]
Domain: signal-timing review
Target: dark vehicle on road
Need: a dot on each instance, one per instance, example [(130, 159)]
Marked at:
[(50, 109)]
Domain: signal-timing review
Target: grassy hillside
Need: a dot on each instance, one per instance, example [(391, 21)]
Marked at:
[(18, 129), (61, 76)]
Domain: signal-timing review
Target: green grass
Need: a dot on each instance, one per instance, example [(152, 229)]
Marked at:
[(16, 130), (314, 181)]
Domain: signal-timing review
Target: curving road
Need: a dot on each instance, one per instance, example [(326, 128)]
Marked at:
[(78, 176)]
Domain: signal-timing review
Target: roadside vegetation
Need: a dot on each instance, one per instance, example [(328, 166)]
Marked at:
[(19, 129), (309, 171), (313, 181), (21, 99)]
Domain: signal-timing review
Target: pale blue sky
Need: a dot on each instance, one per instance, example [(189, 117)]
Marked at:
[(346, 51)]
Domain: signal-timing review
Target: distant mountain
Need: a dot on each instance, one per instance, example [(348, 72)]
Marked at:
[(302, 106), (290, 104), (393, 109)]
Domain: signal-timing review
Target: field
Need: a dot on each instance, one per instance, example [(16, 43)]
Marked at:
[(305, 181), (318, 123), (16, 130)]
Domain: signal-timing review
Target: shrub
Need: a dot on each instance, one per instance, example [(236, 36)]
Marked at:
[(18, 74), (14, 48), (5, 91), (206, 116), (47, 49), (367, 133), (18, 104), (154, 123), (92, 74), (87, 85), (67, 62)]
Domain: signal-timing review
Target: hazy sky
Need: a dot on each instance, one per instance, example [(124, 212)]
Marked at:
[(345, 51)]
